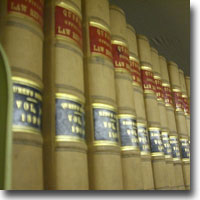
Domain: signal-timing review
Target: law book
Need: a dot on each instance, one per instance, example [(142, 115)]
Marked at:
[(153, 117), (104, 156), (173, 136), (143, 140), (179, 115), (131, 161), (187, 82), (184, 141), (65, 158), (185, 100), (6, 102), (163, 119), (22, 39)]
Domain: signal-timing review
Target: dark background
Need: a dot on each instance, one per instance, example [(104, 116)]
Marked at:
[(166, 23)]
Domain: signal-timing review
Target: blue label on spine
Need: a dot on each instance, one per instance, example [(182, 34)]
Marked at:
[(175, 147), (185, 149), (70, 117), (143, 139), (27, 106), (156, 142), (166, 144), (128, 131), (105, 124)]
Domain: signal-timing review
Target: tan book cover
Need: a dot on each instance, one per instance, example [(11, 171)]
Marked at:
[(131, 161), (187, 82), (178, 106), (63, 34), (22, 38), (146, 167), (173, 136), (184, 141), (163, 119), (105, 169), (153, 116), (185, 100)]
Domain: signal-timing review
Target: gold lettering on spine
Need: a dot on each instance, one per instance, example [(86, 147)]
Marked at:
[(30, 8), (27, 106), (106, 116)]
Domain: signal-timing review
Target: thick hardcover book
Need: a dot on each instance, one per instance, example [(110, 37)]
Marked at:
[(163, 119), (105, 169), (146, 167), (22, 27), (6, 102), (184, 141), (173, 137), (179, 115), (177, 99), (185, 100), (187, 82), (131, 161), (65, 138), (153, 116)]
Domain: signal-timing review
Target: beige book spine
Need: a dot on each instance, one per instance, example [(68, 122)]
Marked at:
[(184, 141), (173, 136), (152, 112), (105, 169), (132, 177), (67, 137), (185, 100), (163, 119), (22, 38), (146, 166), (180, 116), (178, 101), (187, 82)]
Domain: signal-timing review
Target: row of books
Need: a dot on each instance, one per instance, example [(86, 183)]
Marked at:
[(95, 106)]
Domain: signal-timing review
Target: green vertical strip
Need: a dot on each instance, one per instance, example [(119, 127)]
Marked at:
[(6, 105)]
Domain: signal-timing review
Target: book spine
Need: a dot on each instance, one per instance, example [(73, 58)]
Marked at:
[(153, 117), (131, 161), (105, 169), (184, 141), (22, 39), (163, 119), (173, 136), (185, 100), (68, 138), (187, 82), (179, 114), (6, 102), (143, 140)]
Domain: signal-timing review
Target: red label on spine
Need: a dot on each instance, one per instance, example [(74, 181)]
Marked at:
[(159, 89), (100, 41), (178, 101), (30, 8), (186, 105), (68, 25), (168, 95), (121, 57), (148, 81), (135, 72)]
